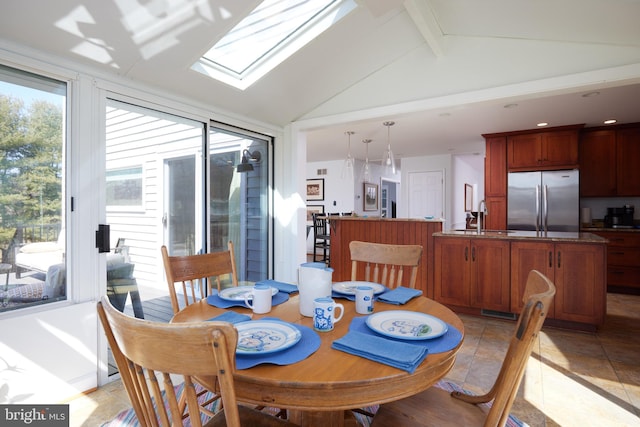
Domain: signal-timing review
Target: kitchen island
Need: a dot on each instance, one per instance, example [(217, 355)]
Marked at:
[(623, 258), (485, 273), (398, 231)]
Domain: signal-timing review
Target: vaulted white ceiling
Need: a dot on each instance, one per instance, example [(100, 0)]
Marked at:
[(442, 69)]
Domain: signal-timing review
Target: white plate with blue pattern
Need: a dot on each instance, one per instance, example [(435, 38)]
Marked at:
[(407, 325), (265, 336)]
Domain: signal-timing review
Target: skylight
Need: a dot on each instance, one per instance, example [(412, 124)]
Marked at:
[(271, 33)]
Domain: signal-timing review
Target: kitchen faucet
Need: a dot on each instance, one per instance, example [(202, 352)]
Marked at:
[(482, 209)]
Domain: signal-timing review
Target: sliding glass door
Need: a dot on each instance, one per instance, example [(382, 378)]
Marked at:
[(162, 190)]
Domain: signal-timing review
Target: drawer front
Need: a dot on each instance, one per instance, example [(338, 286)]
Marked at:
[(621, 238), (623, 276), (620, 256)]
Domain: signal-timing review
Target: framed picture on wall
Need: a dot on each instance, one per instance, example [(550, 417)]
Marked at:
[(313, 209), (370, 197), (315, 189), (468, 197)]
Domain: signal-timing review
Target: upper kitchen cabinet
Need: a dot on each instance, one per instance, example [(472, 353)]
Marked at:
[(495, 182), (554, 148), (610, 162), (628, 162)]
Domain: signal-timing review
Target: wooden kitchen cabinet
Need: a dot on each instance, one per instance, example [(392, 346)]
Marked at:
[(623, 260), (495, 167), (495, 183), (628, 162), (543, 150), (472, 272), (577, 271), (597, 163), (610, 162), (496, 218)]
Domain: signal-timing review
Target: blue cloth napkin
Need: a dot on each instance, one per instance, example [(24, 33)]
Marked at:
[(281, 286), (231, 317), (401, 355), (335, 294), (308, 344), (216, 301), (400, 295), (443, 343)]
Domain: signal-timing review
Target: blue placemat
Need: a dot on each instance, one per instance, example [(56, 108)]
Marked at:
[(446, 342), (231, 317), (281, 286), (216, 301), (399, 295), (308, 344)]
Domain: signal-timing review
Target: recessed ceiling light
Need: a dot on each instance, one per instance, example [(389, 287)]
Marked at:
[(511, 106), (590, 94), (610, 121), (542, 124)]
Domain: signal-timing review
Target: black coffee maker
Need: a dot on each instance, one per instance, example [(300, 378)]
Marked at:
[(619, 217)]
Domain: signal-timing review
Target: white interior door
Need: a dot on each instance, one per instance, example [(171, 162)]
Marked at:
[(426, 194)]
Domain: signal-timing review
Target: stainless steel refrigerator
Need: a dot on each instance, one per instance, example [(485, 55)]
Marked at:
[(543, 201)]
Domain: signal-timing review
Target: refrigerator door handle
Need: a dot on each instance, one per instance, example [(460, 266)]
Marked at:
[(545, 207), (537, 207)]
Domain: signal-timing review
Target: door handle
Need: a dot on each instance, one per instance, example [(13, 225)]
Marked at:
[(103, 238)]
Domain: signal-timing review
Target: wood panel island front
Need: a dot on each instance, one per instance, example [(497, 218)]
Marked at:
[(397, 231), (485, 273)]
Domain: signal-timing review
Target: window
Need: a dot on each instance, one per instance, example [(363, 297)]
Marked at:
[(272, 32), (32, 169), (124, 187)]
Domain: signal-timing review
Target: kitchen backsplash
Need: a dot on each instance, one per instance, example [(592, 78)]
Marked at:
[(599, 205)]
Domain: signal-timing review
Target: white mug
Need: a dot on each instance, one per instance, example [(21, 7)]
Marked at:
[(364, 299), (324, 314), (261, 299)]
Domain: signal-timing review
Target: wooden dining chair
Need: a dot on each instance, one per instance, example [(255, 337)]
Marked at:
[(194, 272), (436, 407), (152, 355), (385, 263)]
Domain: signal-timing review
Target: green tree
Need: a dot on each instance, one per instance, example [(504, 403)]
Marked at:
[(31, 165)]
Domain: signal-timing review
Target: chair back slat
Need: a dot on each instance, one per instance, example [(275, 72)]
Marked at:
[(147, 352), (197, 273), (388, 263)]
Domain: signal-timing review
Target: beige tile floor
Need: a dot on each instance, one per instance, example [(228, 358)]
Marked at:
[(572, 379)]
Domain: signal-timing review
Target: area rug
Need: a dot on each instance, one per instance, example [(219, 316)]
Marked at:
[(127, 418)]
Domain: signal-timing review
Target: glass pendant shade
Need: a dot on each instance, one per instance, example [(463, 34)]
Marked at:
[(388, 161), (366, 169), (347, 167)]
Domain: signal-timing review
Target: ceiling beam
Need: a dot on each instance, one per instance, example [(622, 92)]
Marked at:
[(422, 14)]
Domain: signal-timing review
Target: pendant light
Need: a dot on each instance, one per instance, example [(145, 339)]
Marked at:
[(388, 161), (366, 169), (347, 168)]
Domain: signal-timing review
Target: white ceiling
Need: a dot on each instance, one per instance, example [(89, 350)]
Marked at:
[(443, 70)]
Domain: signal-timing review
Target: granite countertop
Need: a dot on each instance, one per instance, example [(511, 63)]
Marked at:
[(617, 230), (554, 236), (378, 218)]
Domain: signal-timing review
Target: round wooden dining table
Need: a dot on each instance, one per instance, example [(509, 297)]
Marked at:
[(317, 390)]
